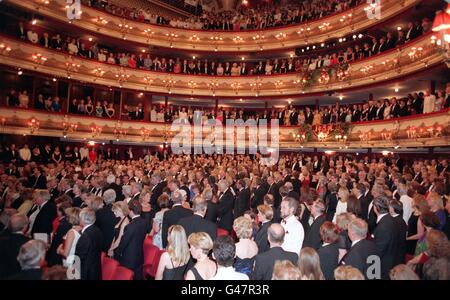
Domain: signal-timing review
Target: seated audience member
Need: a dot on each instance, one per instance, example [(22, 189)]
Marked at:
[(200, 246), (285, 270), (224, 252), (265, 262), (174, 263), (348, 273), (31, 257)]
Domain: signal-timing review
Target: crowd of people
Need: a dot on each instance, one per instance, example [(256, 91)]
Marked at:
[(309, 217), (266, 15), (412, 104), (147, 61)]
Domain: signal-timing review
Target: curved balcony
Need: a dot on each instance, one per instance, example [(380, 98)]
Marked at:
[(314, 32), (427, 130), (411, 58)]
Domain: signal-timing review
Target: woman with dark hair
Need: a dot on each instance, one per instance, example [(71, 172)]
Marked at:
[(354, 206), (309, 265), (329, 251)]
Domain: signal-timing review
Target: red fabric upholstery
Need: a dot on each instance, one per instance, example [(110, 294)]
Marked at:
[(122, 273), (222, 232), (109, 267), (155, 263), (150, 252)]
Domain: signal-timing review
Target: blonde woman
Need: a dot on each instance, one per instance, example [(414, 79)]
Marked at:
[(341, 206), (246, 248), (174, 263), (309, 265), (67, 248), (200, 245), (120, 210)]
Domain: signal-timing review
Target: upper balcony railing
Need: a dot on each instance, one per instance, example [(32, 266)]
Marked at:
[(426, 130), (314, 32), (410, 58)]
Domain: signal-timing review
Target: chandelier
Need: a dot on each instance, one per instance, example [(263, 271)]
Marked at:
[(148, 80), (68, 127), (322, 136), (101, 20), (96, 131), (194, 38), (145, 134), (119, 132), (213, 85), (122, 76), (125, 29), (149, 33), (235, 86), (5, 49), (33, 125), (168, 83), (38, 59), (98, 72)]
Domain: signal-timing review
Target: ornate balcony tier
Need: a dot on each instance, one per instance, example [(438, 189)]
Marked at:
[(415, 131), (314, 32), (409, 59)]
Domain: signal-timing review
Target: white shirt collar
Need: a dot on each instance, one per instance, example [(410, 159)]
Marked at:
[(354, 243), (42, 205)]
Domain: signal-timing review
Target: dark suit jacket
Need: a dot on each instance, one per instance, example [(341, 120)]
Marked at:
[(212, 212), (331, 202), (52, 257), (130, 252), (261, 238), (265, 262), (156, 192), (37, 183), (105, 221), (88, 249), (402, 229), (225, 210), (242, 202), (387, 243), (329, 259), (172, 217), (364, 202), (358, 254), (312, 236), (9, 248), (196, 223), (44, 219), (32, 274), (258, 196)]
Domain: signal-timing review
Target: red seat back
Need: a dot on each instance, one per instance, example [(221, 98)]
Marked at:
[(122, 273), (109, 267), (150, 251), (222, 232), (155, 263)]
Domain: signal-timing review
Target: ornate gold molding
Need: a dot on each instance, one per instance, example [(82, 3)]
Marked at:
[(415, 131), (308, 33)]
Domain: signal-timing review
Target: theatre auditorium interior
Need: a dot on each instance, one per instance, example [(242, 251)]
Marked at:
[(224, 140)]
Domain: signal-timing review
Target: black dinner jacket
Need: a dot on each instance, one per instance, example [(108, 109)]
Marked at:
[(9, 248), (105, 221), (329, 259), (196, 223), (312, 237), (172, 217), (44, 219), (265, 262), (88, 249), (358, 254), (225, 211), (52, 257), (261, 238), (242, 202), (387, 244)]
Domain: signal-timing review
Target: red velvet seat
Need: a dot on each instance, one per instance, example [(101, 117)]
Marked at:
[(222, 232), (122, 273), (155, 263), (109, 267), (150, 252)]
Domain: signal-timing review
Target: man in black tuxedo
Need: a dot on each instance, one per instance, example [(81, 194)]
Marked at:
[(30, 257), (89, 247), (225, 208), (331, 201), (174, 215), (259, 191), (372, 112), (12, 156), (265, 262), (42, 214), (361, 248), (265, 216), (312, 236), (10, 245), (37, 180), (280, 117), (64, 226), (242, 203), (359, 190), (196, 222), (106, 220), (111, 184), (157, 190), (396, 211), (130, 252), (309, 117), (385, 235), (293, 118)]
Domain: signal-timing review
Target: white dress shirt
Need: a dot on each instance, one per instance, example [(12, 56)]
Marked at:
[(407, 207), (294, 235), (228, 273), (341, 207)]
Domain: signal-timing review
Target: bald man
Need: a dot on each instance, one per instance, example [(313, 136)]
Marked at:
[(265, 262)]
